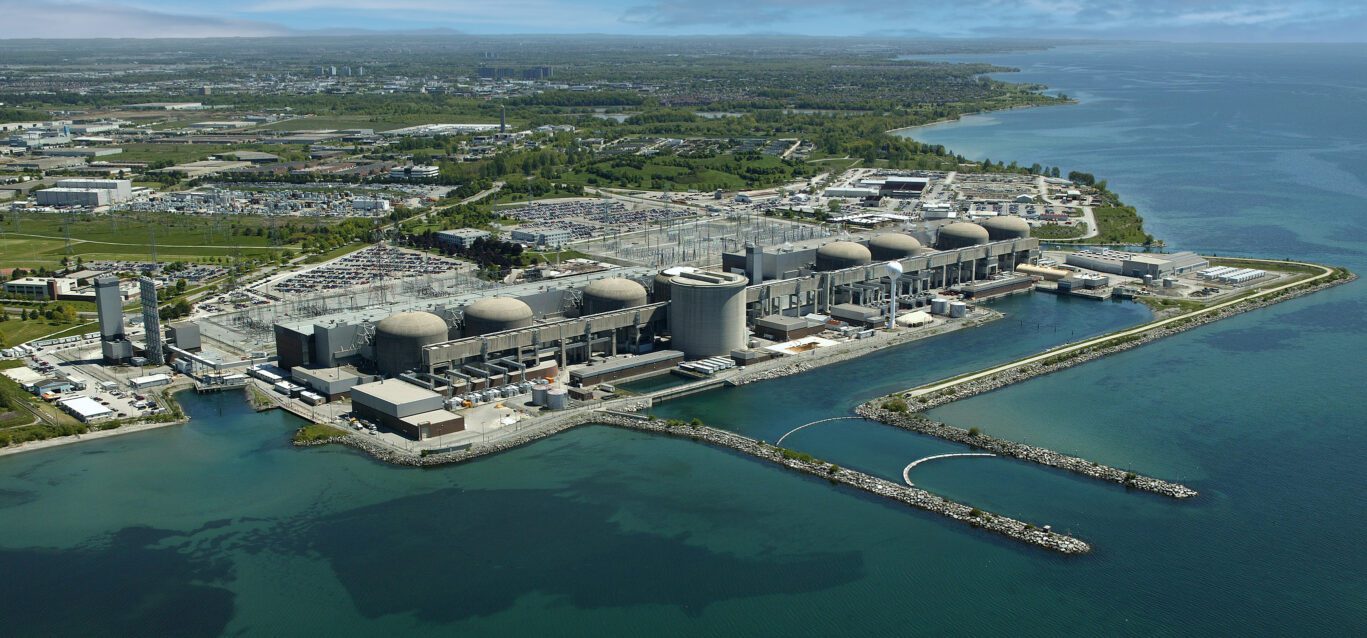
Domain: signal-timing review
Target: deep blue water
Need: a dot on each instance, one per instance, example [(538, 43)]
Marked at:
[(220, 527)]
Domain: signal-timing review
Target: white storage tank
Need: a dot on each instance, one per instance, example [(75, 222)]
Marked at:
[(557, 399), (539, 393), (958, 309), (939, 306)]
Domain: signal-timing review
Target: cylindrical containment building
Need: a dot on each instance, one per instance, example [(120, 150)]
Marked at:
[(842, 254), (960, 235), (607, 295), (889, 246), (707, 313), (399, 340), (1006, 227), (557, 399), (496, 314)]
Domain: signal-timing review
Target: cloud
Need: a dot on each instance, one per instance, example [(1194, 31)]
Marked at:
[(62, 19)]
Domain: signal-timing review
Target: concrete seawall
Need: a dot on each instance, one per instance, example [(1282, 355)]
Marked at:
[(920, 499)]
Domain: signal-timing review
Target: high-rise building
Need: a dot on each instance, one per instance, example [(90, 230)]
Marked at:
[(109, 308), (151, 320)]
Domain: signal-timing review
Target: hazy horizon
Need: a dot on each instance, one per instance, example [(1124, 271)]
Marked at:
[(1236, 21)]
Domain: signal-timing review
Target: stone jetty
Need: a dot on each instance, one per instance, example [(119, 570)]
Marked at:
[(920, 499), (922, 425)]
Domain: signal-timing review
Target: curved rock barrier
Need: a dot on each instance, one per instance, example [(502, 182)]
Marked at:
[(915, 497), (1001, 447)]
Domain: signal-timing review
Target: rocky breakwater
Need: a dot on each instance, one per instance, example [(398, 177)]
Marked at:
[(966, 389), (915, 497), (977, 440)]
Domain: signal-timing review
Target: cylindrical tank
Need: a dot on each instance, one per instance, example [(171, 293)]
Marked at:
[(939, 306), (539, 393), (1148, 280), (399, 340), (707, 313), (958, 309), (496, 314), (960, 235), (894, 246), (1006, 227), (557, 399), (616, 293), (1169, 282), (842, 254), (661, 291)]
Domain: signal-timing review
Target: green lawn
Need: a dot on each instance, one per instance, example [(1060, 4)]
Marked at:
[(16, 331), (335, 253), (1119, 225)]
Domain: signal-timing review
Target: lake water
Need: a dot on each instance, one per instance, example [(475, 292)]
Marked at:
[(220, 527)]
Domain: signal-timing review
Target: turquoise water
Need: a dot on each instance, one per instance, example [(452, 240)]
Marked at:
[(220, 527)]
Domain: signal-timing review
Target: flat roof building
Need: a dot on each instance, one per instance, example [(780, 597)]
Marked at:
[(417, 413), (85, 409)]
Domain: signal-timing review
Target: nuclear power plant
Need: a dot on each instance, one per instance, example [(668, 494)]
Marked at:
[(599, 328)]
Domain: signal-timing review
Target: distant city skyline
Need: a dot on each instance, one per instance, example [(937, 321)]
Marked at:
[(1174, 20)]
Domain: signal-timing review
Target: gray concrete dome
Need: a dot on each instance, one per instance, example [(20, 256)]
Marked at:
[(616, 293), (496, 314), (893, 246), (960, 235), (417, 324), (842, 254), (1006, 227)]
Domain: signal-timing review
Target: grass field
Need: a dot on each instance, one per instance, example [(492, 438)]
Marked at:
[(176, 153), (28, 240), (16, 331), (335, 253)]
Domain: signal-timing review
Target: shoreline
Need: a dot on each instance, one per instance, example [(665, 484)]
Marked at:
[(961, 116), (168, 394)]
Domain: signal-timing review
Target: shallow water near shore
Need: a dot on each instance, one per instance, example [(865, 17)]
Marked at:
[(221, 527)]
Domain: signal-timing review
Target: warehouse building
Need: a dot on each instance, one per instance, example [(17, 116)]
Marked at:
[(414, 412), (1155, 265), (87, 197)]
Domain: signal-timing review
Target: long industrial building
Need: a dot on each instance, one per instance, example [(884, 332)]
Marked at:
[(532, 331)]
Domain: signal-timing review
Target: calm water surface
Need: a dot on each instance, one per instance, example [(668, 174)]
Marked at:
[(220, 527)]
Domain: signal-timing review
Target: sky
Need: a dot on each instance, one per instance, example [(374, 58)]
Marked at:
[(1171, 20)]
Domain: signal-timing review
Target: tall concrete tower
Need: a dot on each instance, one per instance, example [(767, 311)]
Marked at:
[(109, 308), (151, 320)]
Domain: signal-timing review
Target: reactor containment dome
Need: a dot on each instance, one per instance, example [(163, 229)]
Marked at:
[(616, 293), (961, 235), (496, 314), (399, 340), (707, 313), (1006, 227), (894, 246), (838, 255)]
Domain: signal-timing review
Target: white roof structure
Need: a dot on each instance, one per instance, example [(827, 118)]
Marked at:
[(86, 408)]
